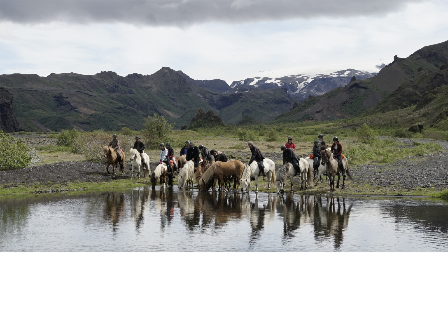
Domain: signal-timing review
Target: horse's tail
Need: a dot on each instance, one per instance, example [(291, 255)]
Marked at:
[(273, 175), (310, 177)]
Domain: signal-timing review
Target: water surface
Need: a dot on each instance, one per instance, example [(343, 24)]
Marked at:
[(172, 220)]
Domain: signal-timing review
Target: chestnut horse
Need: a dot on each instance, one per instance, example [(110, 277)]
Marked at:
[(111, 156), (220, 170)]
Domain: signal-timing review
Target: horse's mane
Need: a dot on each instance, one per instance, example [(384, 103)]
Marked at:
[(246, 173), (208, 174), (134, 151)]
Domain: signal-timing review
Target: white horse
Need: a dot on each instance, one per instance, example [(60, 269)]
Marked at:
[(186, 174), (287, 170), (253, 171), (320, 171), (136, 163), (159, 173)]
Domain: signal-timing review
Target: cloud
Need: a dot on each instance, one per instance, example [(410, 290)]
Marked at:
[(183, 13)]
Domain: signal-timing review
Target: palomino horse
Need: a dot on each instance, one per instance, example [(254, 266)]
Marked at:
[(287, 170), (136, 163), (181, 161), (220, 170), (158, 173), (186, 174), (253, 171), (332, 168), (111, 156)]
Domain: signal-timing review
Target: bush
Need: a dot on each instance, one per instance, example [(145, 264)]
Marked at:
[(14, 153), (247, 135), (68, 138), (272, 136), (366, 134), (157, 129), (126, 131)]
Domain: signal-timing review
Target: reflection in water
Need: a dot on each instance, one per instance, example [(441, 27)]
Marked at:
[(165, 219), (113, 208)]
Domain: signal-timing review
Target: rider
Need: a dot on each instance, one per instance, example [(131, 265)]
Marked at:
[(164, 157), (171, 155), (316, 154), (206, 156), (193, 154), (140, 147), (323, 145), (184, 149), (336, 149), (290, 156), (219, 156), (257, 156), (290, 144), (115, 144)]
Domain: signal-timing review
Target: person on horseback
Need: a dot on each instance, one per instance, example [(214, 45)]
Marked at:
[(193, 154), (184, 149), (165, 158), (290, 156), (323, 145), (115, 144), (171, 155), (316, 154), (140, 147), (290, 144), (257, 156), (206, 156), (219, 156), (336, 149)]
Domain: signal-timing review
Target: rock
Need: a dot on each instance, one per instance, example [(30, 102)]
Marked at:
[(8, 122)]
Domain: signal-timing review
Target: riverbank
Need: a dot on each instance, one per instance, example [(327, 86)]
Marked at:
[(422, 175)]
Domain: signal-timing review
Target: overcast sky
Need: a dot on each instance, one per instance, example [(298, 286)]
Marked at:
[(208, 39)]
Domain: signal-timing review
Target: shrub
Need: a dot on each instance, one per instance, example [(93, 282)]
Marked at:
[(14, 153), (68, 138), (272, 136), (366, 134), (126, 131), (247, 135), (157, 129)]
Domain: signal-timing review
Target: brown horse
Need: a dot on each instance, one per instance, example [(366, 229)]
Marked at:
[(112, 160), (332, 167), (219, 171), (181, 161)]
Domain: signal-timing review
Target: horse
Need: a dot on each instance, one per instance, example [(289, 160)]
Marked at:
[(218, 171), (253, 171), (287, 170), (186, 174), (181, 161), (136, 162), (159, 173), (320, 171), (332, 168), (112, 160)]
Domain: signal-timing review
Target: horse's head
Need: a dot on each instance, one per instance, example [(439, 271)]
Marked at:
[(280, 187), (245, 178), (325, 154), (106, 151)]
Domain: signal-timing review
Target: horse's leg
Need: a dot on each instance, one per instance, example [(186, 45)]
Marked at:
[(339, 177), (256, 183)]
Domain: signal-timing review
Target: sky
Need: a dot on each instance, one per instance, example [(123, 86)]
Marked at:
[(210, 39)]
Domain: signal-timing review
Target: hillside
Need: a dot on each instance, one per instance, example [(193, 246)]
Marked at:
[(403, 83), (109, 101)]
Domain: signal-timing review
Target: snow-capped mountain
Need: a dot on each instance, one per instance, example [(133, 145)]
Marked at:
[(301, 86)]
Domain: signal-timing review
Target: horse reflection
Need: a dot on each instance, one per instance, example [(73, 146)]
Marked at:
[(114, 208), (331, 221), (163, 201), (139, 200), (289, 210), (258, 216)]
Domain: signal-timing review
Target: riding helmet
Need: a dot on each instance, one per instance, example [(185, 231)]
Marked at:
[(114, 136), (320, 136), (162, 145), (335, 138), (200, 146), (282, 147), (137, 137), (187, 142), (289, 138), (250, 143), (316, 142), (168, 144), (212, 152)]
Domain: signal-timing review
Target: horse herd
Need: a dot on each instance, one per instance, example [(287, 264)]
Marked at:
[(207, 174)]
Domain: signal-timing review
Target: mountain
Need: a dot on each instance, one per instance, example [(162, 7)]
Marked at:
[(300, 87), (415, 80), (109, 101), (8, 122)]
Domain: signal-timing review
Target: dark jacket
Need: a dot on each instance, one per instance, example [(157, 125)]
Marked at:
[(221, 157), (205, 154), (289, 156), (139, 146), (184, 151), (193, 153), (256, 155), (316, 151), (170, 152)]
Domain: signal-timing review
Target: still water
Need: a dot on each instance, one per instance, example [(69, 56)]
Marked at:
[(172, 220)]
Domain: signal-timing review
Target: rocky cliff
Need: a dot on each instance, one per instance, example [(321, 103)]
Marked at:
[(8, 122)]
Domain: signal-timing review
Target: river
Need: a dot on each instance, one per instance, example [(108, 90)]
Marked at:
[(172, 220)]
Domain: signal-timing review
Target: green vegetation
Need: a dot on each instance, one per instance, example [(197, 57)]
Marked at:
[(14, 153), (157, 130)]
